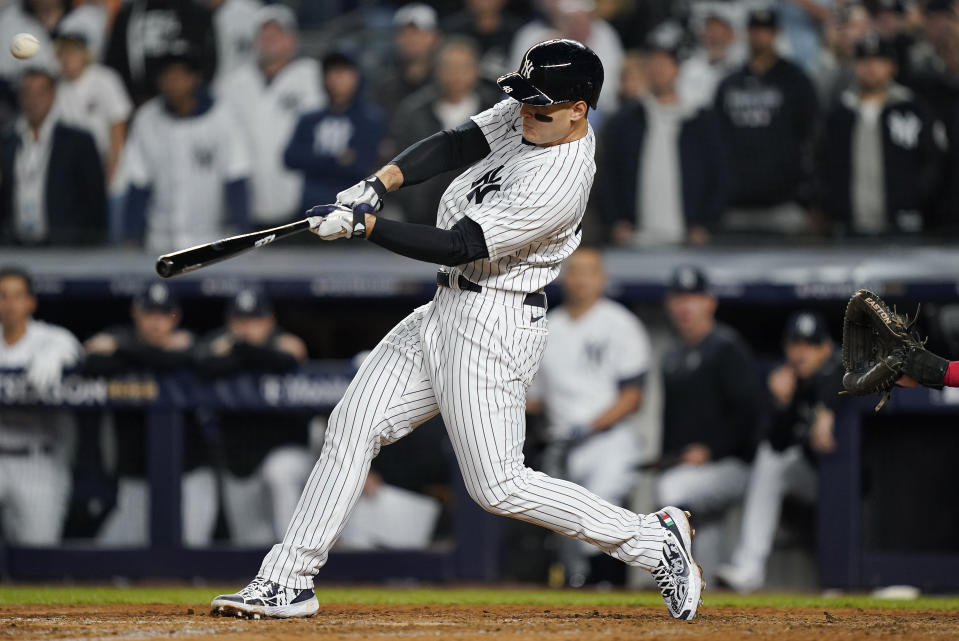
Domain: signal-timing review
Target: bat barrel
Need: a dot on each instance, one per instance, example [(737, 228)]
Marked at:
[(165, 267)]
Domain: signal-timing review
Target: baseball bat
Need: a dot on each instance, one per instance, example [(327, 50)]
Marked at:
[(188, 260)]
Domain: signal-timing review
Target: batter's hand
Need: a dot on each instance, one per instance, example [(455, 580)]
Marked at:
[(369, 191), (338, 222)]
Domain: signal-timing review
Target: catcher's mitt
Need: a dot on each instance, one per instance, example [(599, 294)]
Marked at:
[(876, 343)]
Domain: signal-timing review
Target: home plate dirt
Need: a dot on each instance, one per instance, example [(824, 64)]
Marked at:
[(411, 622)]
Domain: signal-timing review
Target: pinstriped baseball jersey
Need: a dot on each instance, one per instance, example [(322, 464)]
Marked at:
[(529, 201), (471, 357)]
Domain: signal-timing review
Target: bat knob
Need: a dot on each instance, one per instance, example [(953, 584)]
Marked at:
[(165, 267)]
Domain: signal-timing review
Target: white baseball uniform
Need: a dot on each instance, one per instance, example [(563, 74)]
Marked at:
[(587, 360), (235, 25), (95, 101), (36, 444), (267, 112), (186, 162), (471, 356)]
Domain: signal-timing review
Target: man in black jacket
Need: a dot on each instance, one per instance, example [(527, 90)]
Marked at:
[(768, 116), (710, 412), (881, 152), (265, 454), (145, 32), (153, 345), (804, 392), (661, 178), (456, 92), (53, 190)]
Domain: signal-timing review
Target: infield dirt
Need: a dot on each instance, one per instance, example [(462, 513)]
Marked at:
[(466, 623)]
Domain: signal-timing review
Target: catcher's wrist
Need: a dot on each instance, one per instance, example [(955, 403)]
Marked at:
[(925, 368)]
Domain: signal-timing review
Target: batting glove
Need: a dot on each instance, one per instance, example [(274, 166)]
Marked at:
[(337, 221), (369, 191)]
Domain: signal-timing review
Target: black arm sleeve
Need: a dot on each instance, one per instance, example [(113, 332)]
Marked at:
[(443, 151), (461, 244)]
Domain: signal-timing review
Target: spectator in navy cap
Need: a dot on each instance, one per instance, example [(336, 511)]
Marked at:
[(710, 412), (804, 393), (267, 460), (881, 152), (336, 145), (662, 159), (153, 345)]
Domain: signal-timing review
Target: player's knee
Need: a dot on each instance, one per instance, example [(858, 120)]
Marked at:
[(493, 505), (500, 498)]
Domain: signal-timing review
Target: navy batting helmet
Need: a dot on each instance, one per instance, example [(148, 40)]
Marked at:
[(556, 71)]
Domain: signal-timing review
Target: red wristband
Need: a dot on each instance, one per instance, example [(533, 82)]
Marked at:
[(952, 375)]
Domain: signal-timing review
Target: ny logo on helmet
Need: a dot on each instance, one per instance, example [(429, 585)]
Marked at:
[(527, 68)]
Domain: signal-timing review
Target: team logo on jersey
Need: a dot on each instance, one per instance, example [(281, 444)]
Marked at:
[(489, 182), (595, 352), (203, 157), (904, 129), (527, 68)]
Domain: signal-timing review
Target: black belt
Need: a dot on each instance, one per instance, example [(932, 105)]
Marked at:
[(26, 450), (443, 280)]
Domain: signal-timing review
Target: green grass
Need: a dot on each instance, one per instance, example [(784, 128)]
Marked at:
[(94, 595)]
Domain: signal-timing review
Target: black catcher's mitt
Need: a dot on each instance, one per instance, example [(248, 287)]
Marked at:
[(879, 346)]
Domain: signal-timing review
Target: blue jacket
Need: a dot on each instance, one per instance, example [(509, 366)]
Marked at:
[(74, 194), (700, 159), (334, 150)]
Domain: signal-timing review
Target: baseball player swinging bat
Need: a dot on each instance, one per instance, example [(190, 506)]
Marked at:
[(188, 260)]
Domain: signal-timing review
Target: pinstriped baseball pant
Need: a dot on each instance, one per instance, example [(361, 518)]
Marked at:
[(471, 357)]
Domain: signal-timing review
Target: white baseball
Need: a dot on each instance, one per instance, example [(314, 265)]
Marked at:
[(24, 45)]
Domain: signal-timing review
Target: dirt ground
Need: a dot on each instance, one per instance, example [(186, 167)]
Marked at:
[(466, 623)]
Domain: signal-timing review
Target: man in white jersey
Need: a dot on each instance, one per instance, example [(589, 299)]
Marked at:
[(590, 383), (267, 96), (35, 443), (186, 168), (503, 228)]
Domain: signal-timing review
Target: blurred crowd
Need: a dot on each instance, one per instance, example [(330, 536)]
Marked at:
[(165, 123)]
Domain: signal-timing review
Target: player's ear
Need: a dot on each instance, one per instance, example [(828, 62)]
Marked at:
[(579, 110)]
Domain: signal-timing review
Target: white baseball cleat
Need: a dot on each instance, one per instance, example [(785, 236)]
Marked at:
[(263, 598), (679, 577)]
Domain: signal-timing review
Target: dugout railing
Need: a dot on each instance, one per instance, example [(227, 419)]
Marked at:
[(164, 400)]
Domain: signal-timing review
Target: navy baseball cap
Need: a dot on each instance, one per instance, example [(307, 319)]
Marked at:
[(806, 327), (249, 303), (763, 18), (872, 46), (689, 279), (556, 71), (157, 298)]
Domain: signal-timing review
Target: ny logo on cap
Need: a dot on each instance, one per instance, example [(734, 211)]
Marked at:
[(806, 324), (527, 68)]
